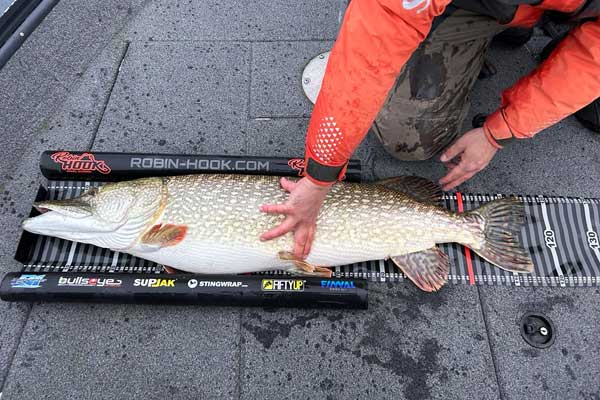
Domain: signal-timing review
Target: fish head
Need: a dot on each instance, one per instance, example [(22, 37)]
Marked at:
[(111, 216)]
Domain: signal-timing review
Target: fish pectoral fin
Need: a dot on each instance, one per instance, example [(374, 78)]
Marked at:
[(304, 268), (420, 189), (428, 269), (160, 236)]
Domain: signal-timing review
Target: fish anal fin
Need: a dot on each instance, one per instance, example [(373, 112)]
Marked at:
[(164, 235), (421, 189), (428, 269)]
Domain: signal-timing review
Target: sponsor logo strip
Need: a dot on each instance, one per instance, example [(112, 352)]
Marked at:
[(154, 282), (339, 285), (81, 164), (195, 283), (185, 163), (80, 281), (28, 281), (283, 285), (297, 164)]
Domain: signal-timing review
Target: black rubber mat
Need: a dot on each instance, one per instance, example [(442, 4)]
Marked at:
[(560, 234)]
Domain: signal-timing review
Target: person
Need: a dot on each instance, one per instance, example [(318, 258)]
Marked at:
[(404, 69)]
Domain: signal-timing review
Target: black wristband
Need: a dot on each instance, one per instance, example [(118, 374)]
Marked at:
[(504, 142), (323, 173)]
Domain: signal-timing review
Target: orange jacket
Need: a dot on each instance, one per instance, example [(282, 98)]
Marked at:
[(376, 39)]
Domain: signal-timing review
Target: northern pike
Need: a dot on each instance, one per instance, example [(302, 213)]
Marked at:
[(211, 224)]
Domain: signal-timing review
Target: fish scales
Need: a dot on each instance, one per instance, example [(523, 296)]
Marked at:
[(357, 222)]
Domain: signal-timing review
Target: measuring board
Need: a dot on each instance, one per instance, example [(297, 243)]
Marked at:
[(560, 234)]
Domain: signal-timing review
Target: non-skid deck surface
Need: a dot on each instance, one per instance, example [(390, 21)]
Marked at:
[(561, 235)]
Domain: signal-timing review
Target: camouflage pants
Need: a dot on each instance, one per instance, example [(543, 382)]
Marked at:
[(425, 109)]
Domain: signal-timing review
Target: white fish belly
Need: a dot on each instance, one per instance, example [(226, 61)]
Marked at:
[(215, 258), (205, 257)]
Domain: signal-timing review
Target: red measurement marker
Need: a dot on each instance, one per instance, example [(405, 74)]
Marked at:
[(467, 250)]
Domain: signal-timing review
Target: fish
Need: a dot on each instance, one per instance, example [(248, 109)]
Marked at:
[(211, 224)]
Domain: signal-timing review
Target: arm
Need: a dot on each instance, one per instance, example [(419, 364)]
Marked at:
[(566, 82), (376, 39)]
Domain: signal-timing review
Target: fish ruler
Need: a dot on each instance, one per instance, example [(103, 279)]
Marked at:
[(560, 233)]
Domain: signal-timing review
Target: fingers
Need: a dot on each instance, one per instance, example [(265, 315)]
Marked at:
[(454, 174), (286, 226), (452, 151), (460, 173), (459, 180), (279, 208), (309, 240), (275, 208), (300, 237), (287, 185), (301, 211), (450, 164), (303, 238)]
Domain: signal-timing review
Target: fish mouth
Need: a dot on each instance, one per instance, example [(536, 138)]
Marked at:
[(54, 223)]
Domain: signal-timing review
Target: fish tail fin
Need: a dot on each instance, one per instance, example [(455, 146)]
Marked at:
[(502, 221)]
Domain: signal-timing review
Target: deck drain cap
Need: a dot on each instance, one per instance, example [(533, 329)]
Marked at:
[(537, 330), (312, 76)]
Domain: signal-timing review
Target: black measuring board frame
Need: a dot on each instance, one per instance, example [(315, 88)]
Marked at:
[(560, 233), (124, 279), (216, 290), (109, 167)]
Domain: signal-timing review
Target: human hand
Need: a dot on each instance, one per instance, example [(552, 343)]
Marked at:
[(467, 156), (301, 210)]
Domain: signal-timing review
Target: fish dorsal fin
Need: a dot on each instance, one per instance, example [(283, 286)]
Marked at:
[(163, 235), (428, 269), (421, 189)]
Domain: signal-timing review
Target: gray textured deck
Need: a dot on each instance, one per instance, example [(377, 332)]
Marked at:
[(223, 77)]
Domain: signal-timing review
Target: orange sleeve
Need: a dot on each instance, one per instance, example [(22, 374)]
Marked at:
[(565, 83), (375, 40)]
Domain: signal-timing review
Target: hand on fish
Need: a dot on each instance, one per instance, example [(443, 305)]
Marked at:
[(301, 211), (467, 156)]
